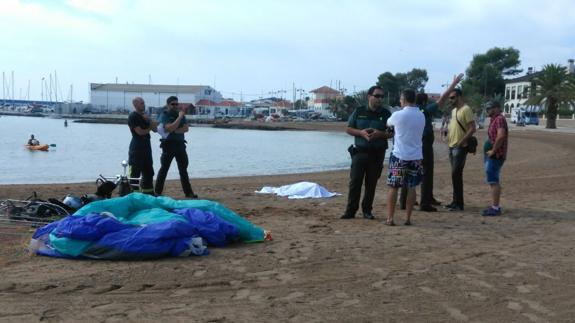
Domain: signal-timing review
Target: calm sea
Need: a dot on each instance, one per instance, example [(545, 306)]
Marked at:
[(83, 151)]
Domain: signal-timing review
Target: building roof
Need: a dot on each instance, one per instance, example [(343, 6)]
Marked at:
[(325, 90), (205, 102), (282, 104), (524, 78), (148, 87), (229, 103)]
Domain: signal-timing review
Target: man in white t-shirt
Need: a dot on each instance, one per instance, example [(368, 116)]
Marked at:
[(405, 162)]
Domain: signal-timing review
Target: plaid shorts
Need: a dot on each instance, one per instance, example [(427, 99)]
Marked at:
[(402, 173)]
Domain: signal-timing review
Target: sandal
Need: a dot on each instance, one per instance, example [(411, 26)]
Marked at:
[(390, 223), (408, 222)]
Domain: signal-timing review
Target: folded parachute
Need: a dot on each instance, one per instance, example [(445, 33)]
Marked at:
[(139, 226)]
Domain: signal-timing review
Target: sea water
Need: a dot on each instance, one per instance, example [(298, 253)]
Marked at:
[(84, 151)]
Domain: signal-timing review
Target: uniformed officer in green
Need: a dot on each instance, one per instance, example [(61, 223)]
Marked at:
[(368, 126)]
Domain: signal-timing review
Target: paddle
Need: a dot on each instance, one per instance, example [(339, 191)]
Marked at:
[(52, 145)]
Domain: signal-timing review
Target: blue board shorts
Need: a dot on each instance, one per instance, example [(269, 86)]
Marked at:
[(402, 173), (492, 170)]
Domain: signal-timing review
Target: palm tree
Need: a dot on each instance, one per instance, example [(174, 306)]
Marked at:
[(553, 87)]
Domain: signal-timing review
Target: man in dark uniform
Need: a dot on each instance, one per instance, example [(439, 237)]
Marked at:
[(174, 124), (140, 153), (429, 110), (368, 126)]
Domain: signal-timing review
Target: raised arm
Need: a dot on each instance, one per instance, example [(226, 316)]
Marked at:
[(444, 95)]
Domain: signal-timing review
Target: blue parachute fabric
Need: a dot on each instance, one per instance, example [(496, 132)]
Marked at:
[(163, 239), (216, 231), (139, 226)]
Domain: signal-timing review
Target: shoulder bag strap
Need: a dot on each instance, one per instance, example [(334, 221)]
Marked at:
[(457, 119)]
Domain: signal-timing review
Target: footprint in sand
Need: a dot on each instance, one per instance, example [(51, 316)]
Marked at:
[(546, 275), (514, 306), (473, 269), (478, 296), (509, 274), (533, 318), (455, 313), (181, 292), (525, 289), (475, 282), (242, 294), (292, 296), (428, 290), (200, 273)]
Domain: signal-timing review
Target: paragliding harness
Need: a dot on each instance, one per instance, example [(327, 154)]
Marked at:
[(34, 210), (125, 184)]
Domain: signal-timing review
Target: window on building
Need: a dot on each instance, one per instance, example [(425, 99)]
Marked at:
[(513, 89), (507, 93), (520, 92), (507, 108), (526, 91)]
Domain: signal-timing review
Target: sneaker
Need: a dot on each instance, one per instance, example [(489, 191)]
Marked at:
[(490, 211), (347, 216), (368, 215), (455, 208), (435, 202), (192, 196), (427, 208), (450, 205)]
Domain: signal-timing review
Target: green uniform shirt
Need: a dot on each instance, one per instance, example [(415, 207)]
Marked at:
[(169, 116), (363, 118)]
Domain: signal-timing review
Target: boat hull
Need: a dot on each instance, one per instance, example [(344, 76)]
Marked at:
[(38, 147)]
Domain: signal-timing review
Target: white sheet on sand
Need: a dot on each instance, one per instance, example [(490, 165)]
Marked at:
[(301, 190)]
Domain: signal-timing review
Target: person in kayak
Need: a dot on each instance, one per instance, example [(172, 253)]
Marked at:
[(33, 141)]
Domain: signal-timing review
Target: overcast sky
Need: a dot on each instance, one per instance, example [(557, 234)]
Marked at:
[(256, 47)]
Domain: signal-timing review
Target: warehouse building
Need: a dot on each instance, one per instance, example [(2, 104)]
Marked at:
[(113, 97)]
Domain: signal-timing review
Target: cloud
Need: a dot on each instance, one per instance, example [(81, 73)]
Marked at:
[(261, 46), (99, 7)]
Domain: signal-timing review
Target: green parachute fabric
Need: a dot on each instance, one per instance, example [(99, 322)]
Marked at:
[(138, 208)]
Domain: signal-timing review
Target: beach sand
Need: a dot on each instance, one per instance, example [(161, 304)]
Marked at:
[(446, 267)]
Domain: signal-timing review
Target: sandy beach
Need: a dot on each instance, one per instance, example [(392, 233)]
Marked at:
[(447, 267)]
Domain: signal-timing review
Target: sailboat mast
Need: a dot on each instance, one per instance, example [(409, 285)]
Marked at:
[(56, 85)]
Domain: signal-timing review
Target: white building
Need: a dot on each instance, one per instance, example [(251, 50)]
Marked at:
[(320, 100), (518, 90), (117, 97)]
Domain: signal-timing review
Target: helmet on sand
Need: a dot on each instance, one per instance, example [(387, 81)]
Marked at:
[(72, 201)]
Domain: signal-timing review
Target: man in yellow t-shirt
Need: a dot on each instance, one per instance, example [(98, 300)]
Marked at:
[(461, 128)]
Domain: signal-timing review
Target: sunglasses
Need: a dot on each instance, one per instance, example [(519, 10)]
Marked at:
[(452, 97), (378, 96), (174, 104)]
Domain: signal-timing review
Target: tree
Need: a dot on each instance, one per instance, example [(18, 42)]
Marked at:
[(361, 98), (300, 104), (416, 79), (552, 87), (393, 84), (485, 73), (338, 108), (390, 85)]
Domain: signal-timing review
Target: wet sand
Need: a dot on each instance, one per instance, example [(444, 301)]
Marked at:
[(446, 267)]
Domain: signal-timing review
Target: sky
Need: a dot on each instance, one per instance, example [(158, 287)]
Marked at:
[(248, 49)]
